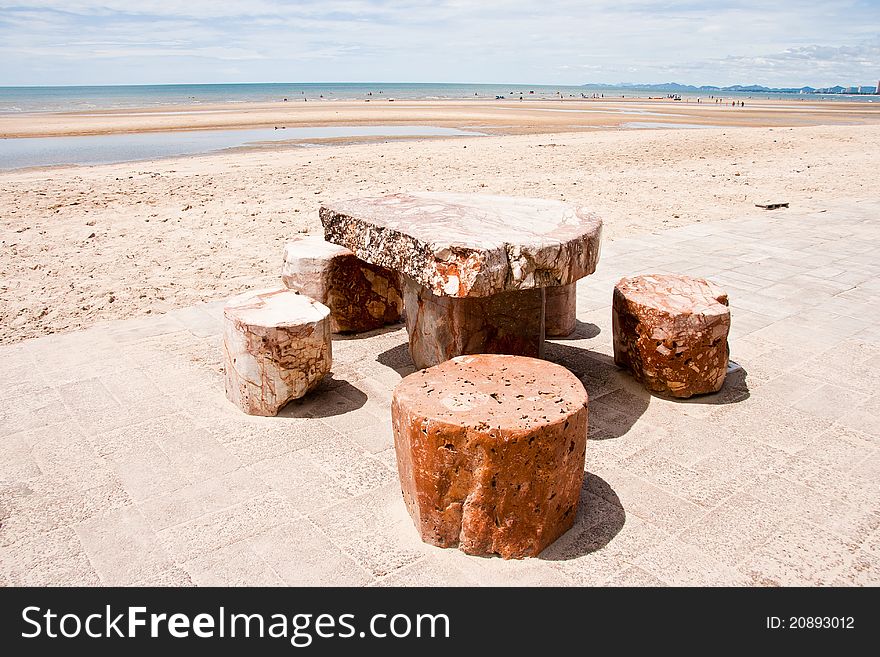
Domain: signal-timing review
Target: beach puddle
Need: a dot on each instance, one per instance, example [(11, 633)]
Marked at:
[(17, 153)]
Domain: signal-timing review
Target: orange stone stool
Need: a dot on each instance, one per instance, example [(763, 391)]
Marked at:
[(490, 452), (671, 332)]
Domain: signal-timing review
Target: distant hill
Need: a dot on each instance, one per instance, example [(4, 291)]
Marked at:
[(675, 87)]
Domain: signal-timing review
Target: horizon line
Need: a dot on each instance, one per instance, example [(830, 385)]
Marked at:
[(378, 82)]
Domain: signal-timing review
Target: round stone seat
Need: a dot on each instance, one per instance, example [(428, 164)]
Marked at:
[(361, 296), (490, 452), (276, 347), (671, 331)]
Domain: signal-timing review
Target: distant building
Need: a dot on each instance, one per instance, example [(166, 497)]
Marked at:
[(877, 90)]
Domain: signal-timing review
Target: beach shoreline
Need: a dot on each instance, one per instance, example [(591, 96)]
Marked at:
[(531, 116)]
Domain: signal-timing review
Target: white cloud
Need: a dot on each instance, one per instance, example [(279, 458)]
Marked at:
[(554, 41)]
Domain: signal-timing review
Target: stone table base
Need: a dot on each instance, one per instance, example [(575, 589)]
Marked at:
[(560, 310), (490, 452), (442, 327)]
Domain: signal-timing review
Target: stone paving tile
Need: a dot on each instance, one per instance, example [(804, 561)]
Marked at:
[(831, 402), (253, 439), (112, 539), (145, 470), (864, 476), (356, 470), (633, 576), (863, 570), (736, 528), (213, 531), (840, 449), (645, 500), (56, 558), (63, 454), (428, 571), (233, 565), (195, 500), (850, 522), (302, 555), (678, 479), (170, 576), (864, 417), (31, 407), (375, 529), (764, 420), (18, 463), (683, 564), (488, 571), (112, 475), (845, 487), (134, 330), (369, 429), (196, 454), (789, 388), (298, 477), (43, 504), (800, 555)]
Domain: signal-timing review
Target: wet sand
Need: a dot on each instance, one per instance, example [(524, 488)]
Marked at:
[(499, 117)]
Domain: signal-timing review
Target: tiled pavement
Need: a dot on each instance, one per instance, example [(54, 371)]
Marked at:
[(123, 463)]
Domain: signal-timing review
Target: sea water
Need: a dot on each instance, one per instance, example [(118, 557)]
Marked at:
[(23, 152), (84, 98)]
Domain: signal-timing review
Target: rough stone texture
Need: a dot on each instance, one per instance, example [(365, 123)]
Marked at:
[(490, 452), (361, 296), (441, 327), (469, 245), (276, 347), (671, 333), (560, 310)]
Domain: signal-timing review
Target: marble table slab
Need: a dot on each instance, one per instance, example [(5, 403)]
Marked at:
[(469, 245), (474, 267)]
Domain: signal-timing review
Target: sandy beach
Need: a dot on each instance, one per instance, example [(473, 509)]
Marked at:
[(83, 245), (500, 117)]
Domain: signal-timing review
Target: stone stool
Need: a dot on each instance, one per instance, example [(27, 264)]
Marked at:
[(671, 333), (276, 347), (490, 452), (361, 296), (560, 310)]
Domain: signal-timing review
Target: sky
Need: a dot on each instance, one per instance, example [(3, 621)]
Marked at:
[(771, 42)]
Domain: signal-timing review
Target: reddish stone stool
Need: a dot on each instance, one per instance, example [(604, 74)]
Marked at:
[(671, 332), (361, 296), (490, 452)]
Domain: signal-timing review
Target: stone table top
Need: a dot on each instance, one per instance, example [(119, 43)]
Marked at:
[(469, 245)]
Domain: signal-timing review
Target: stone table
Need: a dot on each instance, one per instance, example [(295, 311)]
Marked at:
[(474, 267)]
